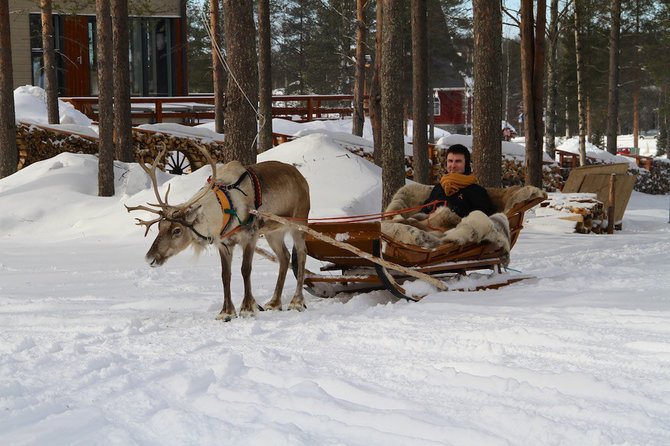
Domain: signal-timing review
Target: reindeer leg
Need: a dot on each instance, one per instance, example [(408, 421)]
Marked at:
[(228, 311), (276, 242), (298, 301), (249, 306)]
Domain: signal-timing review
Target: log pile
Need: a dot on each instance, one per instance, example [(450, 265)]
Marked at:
[(581, 212), (37, 143), (655, 181), (148, 144)]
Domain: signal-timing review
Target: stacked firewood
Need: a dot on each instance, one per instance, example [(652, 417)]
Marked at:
[(580, 211), (148, 144), (38, 143), (655, 181)]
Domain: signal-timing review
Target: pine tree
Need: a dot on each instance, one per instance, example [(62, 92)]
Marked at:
[(486, 144), (105, 99), (240, 126), (9, 156), (393, 153)]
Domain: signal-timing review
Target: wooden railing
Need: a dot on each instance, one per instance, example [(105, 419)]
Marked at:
[(192, 110)]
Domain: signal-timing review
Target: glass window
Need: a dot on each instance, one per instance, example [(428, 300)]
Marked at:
[(36, 53), (437, 106)]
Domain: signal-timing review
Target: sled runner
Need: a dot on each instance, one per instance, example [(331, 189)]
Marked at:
[(359, 257)]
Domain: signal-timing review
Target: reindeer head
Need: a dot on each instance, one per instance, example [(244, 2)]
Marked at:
[(175, 222)]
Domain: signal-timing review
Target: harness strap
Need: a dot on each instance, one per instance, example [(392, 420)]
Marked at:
[(222, 193), (258, 199)]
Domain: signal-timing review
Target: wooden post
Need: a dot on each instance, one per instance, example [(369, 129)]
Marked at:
[(610, 208)]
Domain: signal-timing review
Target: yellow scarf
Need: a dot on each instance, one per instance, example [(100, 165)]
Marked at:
[(453, 182)]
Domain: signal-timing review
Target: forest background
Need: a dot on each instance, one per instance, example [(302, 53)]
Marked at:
[(313, 52)]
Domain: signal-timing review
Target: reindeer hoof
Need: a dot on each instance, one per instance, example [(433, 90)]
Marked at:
[(225, 317), (272, 306), (248, 313), (297, 306)]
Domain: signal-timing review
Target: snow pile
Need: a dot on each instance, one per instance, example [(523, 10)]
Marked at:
[(204, 133), (340, 182), (510, 149), (572, 145), (30, 106)]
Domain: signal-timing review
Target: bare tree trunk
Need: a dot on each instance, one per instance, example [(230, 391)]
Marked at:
[(217, 65), (581, 99), (240, 126), (123, 127), (636, 117), (588, 118), (9, 155), (105, 99), (264, 77), (359, 79), (552, 82), (508, 67), (636, 81), (532, 74), (393, 154), (613, 90), (49, 56), (567, 118), (375, 88), (487, 107), (420, 163)]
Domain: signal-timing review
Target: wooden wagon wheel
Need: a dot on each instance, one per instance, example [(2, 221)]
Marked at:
[(178, 163)]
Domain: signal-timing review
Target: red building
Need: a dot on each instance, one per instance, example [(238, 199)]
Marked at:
[(452, 100)]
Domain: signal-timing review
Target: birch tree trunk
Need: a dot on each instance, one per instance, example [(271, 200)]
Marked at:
[(487, 110)]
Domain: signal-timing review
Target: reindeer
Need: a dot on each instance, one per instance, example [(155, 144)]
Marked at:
[(219, 214)]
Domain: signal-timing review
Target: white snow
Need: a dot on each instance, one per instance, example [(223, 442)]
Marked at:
[(99, 348)]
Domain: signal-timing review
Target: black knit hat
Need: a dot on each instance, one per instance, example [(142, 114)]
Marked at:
[(461, 149)]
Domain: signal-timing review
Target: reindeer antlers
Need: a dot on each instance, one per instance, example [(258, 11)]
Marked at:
[(162, 203)]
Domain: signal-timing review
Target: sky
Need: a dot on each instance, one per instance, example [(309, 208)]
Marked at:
[(96, 347)]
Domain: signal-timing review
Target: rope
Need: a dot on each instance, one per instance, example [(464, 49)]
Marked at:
[(368, 217)]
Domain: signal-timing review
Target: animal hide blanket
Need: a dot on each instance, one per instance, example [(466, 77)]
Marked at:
[(474, 228), (444, 226)]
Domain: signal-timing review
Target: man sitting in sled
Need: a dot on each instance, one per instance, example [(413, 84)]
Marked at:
[(459, 188)]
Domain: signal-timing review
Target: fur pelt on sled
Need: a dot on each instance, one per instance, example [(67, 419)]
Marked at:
[(444, 226)]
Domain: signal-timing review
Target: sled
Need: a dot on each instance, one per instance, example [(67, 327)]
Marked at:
[(361, 271)]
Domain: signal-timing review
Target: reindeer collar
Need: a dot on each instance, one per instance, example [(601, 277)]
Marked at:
[(222, 193)]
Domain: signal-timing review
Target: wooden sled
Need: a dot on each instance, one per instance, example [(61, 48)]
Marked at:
[(345, 271)]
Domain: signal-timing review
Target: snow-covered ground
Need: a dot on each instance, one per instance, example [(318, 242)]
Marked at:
[(98, 348)]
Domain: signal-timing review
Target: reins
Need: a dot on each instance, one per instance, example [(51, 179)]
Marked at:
[(370, 217)]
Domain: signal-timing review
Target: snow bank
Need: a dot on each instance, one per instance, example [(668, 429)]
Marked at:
[(30, 106)]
